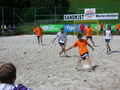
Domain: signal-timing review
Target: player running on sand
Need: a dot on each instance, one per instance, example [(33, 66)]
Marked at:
[(108, 36), (83, 51), (62, 39), (39, 34), (88, 34)]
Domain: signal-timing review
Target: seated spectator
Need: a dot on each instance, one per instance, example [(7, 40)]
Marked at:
[(9, 28), (13, 28), (8, 77)]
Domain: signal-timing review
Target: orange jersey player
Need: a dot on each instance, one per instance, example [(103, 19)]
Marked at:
[(88, 34), (39, 33), (82, 49), (117, 27)]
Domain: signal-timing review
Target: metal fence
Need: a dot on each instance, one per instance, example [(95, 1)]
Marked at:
[(29, 17), (45, 15)]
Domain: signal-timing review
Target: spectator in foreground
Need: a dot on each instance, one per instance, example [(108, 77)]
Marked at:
[(8, 77)]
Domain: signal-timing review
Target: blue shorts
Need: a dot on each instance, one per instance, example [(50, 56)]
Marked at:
[(83, 56), (107, 40), (88, 37)]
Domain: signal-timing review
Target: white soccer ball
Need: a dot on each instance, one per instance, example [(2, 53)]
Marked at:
[(86, 67)]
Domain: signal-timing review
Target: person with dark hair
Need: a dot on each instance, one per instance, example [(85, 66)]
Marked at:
[(8, 77), (83, 51), (88, 34), (82, 29), (108, 36), (39, 33), (62, 39)]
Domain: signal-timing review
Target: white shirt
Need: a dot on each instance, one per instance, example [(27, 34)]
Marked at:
[(107, 34), (6, 87), (62, 37)]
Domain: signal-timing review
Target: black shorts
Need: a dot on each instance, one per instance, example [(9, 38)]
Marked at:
[(107, 40), (61, 44), (88, 37), (39, 37), (83, 56)]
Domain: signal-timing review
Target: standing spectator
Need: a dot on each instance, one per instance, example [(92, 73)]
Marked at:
[(82, 29)]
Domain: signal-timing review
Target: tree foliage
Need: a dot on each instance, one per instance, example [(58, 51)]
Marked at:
[(43, 7)]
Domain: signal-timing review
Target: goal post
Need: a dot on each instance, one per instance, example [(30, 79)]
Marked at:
[(85, 22)]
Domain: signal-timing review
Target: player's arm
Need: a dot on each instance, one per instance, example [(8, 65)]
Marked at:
[(90, 46), (69, 48), (53, 40), (111, 34)]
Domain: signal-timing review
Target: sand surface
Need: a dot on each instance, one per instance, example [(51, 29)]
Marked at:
[(40, 68)]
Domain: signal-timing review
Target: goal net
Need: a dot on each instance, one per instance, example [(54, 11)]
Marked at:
[(94, 24)]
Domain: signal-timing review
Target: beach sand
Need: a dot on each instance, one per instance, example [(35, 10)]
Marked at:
[(39, 67)]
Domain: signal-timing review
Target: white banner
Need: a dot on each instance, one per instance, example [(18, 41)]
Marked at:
[(69, 17), (105, 16)]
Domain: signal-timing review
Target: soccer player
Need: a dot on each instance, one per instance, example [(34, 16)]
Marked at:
[(108, 36), (117, 27), (39, 33), (82, 48), (62, 39), (88, 34), (101, 27)]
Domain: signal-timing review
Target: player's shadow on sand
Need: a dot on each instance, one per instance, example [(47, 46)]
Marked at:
[(94, 67), (69, 56), (115, 51)]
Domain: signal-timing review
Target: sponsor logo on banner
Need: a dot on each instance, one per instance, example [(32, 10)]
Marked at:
[(73, 17), (107, 16), (71, 27), (89, 14)]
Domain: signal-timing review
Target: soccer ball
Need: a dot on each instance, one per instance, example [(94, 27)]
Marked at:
[(86, 67)]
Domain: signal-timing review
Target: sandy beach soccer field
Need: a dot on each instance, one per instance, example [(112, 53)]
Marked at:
[(39, 67)]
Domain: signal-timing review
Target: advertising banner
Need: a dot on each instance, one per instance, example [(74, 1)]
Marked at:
[(107, 16), (51, 28), (71, 27)]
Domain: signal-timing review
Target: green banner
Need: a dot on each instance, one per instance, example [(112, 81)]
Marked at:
[(51, 28)]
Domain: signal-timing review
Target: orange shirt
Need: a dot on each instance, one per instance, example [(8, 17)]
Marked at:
[(117, 26), (101, 26), (88, 32), (82, 46), (38, 31)]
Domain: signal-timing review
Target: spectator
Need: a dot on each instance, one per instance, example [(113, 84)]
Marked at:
[(8, 77), (5, 28), (82, 28), (13, 28)]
